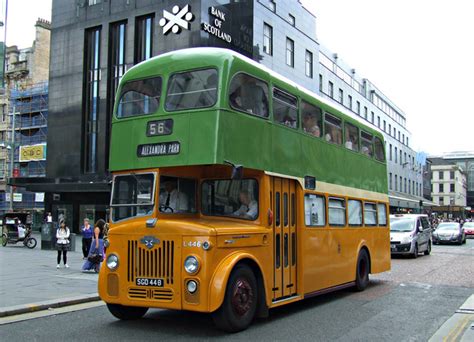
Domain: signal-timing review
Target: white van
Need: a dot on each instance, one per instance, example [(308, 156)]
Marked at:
[(410, 234)]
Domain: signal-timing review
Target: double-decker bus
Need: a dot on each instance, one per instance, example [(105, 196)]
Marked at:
[(236, 191)]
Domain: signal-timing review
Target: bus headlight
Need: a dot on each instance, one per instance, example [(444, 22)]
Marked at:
[(191, 264), (191, 286), (112, 262)]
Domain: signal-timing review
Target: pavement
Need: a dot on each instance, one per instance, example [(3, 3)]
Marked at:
[(30, 281)]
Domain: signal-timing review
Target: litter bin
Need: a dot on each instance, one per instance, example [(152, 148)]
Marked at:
[(48, 235)]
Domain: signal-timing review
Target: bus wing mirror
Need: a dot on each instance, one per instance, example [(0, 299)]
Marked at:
[(237, 172)]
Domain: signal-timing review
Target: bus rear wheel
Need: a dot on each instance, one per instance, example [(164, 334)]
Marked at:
[(126, 312), (362, 271), (240, 301)]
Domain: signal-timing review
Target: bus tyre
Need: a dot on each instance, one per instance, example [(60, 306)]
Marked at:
[(362, 271), (126, 312), (240, 301), (4, 240)]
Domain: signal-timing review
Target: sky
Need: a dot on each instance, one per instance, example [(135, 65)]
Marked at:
[(419, 53)]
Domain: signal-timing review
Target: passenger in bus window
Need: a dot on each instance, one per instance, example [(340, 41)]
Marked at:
[(172, 200), (310, 124), (248, 208), (249, 96)]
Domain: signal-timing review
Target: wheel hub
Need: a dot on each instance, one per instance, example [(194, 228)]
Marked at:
[(242, 297)]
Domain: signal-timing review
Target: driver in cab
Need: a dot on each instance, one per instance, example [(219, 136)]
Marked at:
[(172, 200), (248, 208)]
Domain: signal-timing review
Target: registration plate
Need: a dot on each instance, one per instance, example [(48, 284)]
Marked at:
[(149, 282)]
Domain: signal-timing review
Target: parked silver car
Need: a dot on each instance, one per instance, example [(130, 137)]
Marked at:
[(410, 234), (449, 232)]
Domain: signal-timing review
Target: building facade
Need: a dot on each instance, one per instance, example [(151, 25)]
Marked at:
[(463, 161), (94, 42), (23, 128)]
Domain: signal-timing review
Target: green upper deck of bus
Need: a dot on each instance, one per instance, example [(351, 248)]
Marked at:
[(203, 106)]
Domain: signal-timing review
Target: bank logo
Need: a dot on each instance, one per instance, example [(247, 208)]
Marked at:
[(149, 241), (180, 18)]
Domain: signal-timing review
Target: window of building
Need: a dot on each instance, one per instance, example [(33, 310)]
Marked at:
[(290, 52), (384, 126), (358, 107), (370, 214), (403, 138), (441, 200), (378, 121), (405, 155), (405, 182), (451, 187), (451, 175), (379, 149), (373, 118), (285, 108), (337, 212), (2, 169), (409, 187), (320, 83), (389, 129), (440, 174), (93, 2), (394, 132), (193, 89), (390, 152), (331, 89), (390, 181), (267, 39), (441, 188), (407, 141), (143, 38), (272, 5), (314, 210), (333, 129), (401, 189), (349, 98), (311, 119), (366, 144), (248, 94), (292, 19), (382, 214), (366, 113), (351, 137), (117, 65), (396, 183), (309, 64), (341, 96), (355, 212), (92, 100), (396, 155), (401, 163)]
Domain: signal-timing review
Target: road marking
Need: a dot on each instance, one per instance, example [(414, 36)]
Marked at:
[(458, 329), (49, 312)]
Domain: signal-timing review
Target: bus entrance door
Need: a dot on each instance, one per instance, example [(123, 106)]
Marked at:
[(284, 237)]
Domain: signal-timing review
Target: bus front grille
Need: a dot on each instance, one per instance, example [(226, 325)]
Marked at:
[(154, 294), (156, 262)]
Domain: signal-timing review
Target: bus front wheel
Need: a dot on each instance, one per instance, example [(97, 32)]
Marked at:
[(362, 271), (240, 301), (126, 312)]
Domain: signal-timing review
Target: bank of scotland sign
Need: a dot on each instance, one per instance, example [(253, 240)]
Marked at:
[(177, 20)]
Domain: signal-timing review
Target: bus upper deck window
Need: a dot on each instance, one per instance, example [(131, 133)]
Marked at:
[(379, 150), (139, 97), (192, 89), (366, 142), (333, 129), (285, 108), (248, 94), (352, 137)]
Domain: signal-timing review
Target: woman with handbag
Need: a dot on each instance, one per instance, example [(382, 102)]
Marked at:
[(96, 252), (62, 243)]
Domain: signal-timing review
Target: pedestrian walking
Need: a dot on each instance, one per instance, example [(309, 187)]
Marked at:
[(87, 233), (96, 252), (62, 243)]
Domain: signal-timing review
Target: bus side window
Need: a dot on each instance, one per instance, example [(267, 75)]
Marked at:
[(333, 129), (379, 150), (248, 94), (370, 214), (355, 213), (352, 137), (285, 108), (314, 210), (311, 118), (337, 212), (366, 142), (382, 214)]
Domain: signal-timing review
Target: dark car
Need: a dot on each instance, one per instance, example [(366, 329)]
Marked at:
[(449, 232)]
